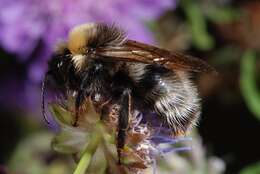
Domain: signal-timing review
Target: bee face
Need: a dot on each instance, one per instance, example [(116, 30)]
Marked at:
[(62, 71), (57, 70)]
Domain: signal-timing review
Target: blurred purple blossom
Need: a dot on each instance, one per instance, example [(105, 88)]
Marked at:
[(159, 139), (31, 28), (24, 23)]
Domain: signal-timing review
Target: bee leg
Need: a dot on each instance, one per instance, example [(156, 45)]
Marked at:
[(82, 93), (104, 112), (79, 99), (123, 120)]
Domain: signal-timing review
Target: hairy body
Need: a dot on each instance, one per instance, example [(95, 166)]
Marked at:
[(99, 63)]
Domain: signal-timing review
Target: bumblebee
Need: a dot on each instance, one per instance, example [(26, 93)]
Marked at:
[(99, 62)]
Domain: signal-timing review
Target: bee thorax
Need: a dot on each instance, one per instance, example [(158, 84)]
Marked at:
[(80, 36)]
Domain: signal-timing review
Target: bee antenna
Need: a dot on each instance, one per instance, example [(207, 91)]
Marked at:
[(43, 92)]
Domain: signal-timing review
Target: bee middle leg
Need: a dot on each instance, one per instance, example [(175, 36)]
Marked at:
[(79, 99), (123, 121)]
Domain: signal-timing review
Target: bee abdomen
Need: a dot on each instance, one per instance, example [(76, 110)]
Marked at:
[(178, 102), (170, 94)]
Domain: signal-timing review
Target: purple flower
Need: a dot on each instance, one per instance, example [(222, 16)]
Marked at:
[(157, 141), (26, 23), (31, 28)]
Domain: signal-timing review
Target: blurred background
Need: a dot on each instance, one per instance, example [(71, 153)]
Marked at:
[(225, 33)]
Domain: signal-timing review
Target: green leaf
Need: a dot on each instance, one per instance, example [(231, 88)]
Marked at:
[(201, 38), (248, 83), (70, 140), (31, 154), (88, 154), (252, 169), (222, 14), (61, 115)]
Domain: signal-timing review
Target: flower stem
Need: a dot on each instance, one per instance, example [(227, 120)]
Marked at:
[(88, 154)]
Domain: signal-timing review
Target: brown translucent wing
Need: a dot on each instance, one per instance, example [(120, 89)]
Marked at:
[(133, 51)]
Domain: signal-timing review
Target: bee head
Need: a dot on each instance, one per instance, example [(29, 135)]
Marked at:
[(58, 70), (60, 75)]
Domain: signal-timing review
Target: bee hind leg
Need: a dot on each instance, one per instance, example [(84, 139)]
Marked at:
[(123, 121)]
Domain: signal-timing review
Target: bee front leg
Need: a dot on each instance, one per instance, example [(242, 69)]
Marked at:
[(81, 95), (123, 120)]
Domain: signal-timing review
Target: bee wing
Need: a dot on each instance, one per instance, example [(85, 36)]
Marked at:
[(133, 51)]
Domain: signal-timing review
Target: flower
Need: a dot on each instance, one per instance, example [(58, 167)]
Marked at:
[(31, 28), (95, 139)]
